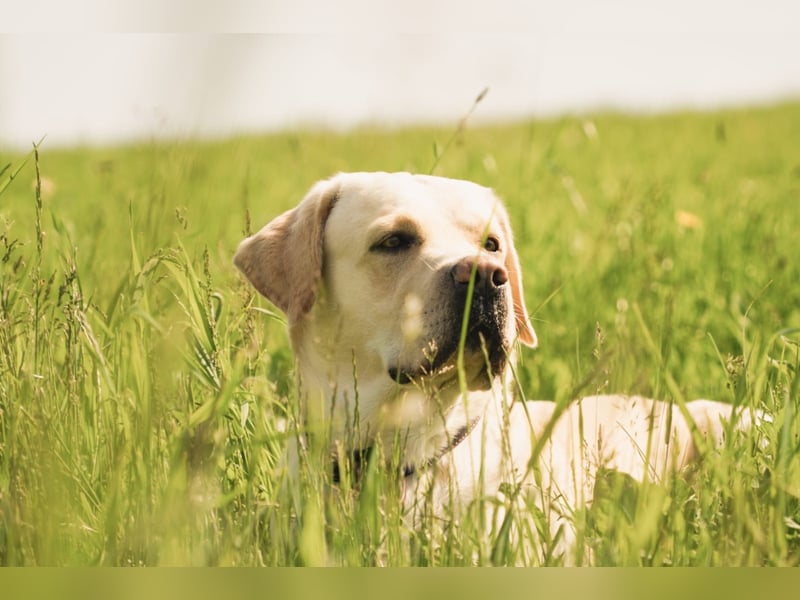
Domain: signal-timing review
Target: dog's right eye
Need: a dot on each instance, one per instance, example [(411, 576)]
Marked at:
[(395, 242)]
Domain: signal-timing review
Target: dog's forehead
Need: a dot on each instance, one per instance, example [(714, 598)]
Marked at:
[(365, 199)]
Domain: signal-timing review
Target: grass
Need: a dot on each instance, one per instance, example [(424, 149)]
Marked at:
[(145, 391)]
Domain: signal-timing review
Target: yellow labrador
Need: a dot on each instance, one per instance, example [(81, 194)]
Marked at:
[(375, 272)]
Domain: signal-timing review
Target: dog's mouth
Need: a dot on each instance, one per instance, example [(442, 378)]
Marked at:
[(401, 376), (484, 348), (438, 376), (485, 356)]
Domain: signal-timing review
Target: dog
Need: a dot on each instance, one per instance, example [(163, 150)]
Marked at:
[(405, 308)]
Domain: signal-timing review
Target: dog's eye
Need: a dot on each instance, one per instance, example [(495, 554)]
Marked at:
[(392, 242), (491, 244), (395, 242)]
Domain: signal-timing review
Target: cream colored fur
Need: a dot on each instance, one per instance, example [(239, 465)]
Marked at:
[(365, 268)]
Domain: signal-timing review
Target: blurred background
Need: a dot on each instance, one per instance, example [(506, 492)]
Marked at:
[(346, 64)]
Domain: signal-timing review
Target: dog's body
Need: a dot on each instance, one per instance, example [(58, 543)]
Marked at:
[(375, 272)]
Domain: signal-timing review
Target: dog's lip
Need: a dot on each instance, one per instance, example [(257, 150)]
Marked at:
[(435, 373), (399, 375), (439, 375), (444, 377), (440, 368)]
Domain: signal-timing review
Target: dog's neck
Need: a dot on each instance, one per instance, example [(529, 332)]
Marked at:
[(350, 394), (377, 412), (360, 412), (355, 462)]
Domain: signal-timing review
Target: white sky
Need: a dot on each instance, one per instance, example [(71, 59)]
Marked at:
[(351, 62)]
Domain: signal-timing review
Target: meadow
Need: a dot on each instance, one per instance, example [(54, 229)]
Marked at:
[(145, 388)]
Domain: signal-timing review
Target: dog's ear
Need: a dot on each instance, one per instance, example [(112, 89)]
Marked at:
[(283, 260), (525, 331)]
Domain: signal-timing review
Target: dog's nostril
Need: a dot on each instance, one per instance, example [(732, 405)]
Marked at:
[(463, 271), (487, 273), (499, 277)]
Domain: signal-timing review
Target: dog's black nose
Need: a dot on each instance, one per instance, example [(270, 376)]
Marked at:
[(489, 274)]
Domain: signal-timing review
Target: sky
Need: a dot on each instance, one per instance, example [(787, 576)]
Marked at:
[(83, 73)]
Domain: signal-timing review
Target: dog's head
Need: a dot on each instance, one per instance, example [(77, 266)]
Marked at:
[(383, 276)]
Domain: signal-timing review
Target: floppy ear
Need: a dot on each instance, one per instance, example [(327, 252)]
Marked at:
[(283, 260), (525, 330)]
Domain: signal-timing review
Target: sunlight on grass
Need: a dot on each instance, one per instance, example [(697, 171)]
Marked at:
[(146, 393)]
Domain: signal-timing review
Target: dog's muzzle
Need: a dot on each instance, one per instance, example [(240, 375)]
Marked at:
[(488, 307), (479, 285)]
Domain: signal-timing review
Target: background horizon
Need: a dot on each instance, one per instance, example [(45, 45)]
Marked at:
[(332, 70)]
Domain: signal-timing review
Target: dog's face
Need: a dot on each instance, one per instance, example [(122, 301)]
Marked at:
[(400, 252), (376, 271)]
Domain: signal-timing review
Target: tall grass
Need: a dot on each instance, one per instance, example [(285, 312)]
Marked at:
[(146, 393)]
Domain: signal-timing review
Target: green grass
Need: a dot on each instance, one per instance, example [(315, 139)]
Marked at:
[(144, 388)]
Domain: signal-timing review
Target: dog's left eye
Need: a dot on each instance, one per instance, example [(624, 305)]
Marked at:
[(492, 244)]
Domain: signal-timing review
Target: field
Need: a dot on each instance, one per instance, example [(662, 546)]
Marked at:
[(144, 387)]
